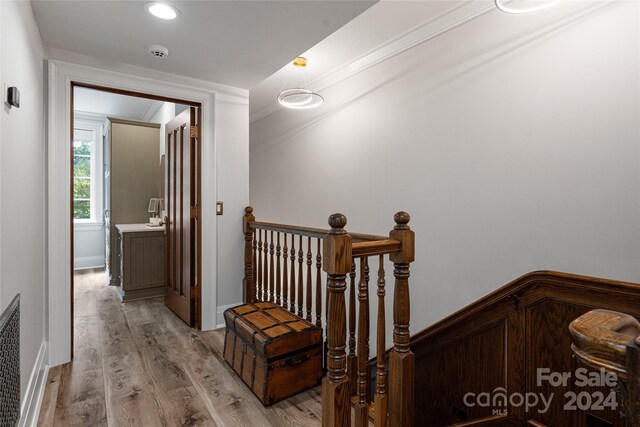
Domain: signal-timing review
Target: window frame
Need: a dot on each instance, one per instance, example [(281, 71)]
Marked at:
[(82, 125)]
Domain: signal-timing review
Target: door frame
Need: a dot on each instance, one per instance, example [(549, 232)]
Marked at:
[(214, 100), (198, 105)]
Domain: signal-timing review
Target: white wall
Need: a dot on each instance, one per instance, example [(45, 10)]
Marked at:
[(166, 112), (232, 122), (513, 141), (22, 181), (88, 246), (225, 165)]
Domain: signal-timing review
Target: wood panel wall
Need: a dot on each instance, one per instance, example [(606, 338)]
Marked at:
[(502, 340)]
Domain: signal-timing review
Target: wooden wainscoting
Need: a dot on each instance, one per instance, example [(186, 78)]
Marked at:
[(502, 340)]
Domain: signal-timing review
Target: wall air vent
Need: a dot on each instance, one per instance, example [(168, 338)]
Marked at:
[(158, 51), (10, 364)]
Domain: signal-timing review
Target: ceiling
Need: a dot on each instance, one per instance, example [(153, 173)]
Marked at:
[(235, 42), (372, 29), (114, 105), (386, 29)]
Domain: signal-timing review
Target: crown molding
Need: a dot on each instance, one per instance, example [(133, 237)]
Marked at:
[(88, 115), (65, 59), (448, 20)]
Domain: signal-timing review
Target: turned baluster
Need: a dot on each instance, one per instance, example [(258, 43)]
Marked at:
[(300, 276), (255, 265), (326, 322), (362, 407), (271, 269), (336, 392), (633, 384), (380, 397), (309, 295), (259, 268), (292, 294), (265, 267), (318, 286), (352, 359), (278, 278), (285, 276), (248, 282), (401, 359)]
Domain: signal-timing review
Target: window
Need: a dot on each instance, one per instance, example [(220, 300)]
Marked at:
[(87, 175), (82, 179)]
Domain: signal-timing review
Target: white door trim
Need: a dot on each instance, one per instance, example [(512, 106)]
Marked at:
[(211, 96)]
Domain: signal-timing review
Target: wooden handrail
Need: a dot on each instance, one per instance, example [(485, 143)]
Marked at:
[(375, 247), (279, 268), (311, 231), (363, 245), (291, 229), (513, 331), (601, 337), (608, 340), (523, 284)]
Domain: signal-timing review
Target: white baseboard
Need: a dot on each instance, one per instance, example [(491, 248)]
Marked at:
[(220, 314), (35, 389), (82, 263)]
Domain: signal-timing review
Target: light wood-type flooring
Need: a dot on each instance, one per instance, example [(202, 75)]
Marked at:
[(137, 364)]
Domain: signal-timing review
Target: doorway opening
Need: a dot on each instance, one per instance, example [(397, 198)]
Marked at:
[(136, 196)]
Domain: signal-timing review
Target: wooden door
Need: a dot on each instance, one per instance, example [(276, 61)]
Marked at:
[(181, 139)]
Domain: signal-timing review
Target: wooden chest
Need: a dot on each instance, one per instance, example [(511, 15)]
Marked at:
[(276, 353)]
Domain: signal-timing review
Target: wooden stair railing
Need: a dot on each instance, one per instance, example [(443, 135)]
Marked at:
[(279, 267), (501, 341), (610, 341)]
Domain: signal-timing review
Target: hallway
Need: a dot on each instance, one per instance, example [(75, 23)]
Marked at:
[(137, 364)]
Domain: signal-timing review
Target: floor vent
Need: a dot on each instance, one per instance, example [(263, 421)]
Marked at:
[(10, 364)]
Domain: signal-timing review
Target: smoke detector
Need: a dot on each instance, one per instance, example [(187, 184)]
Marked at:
[(158, 51)]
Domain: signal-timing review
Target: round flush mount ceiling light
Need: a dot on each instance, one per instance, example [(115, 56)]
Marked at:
[(162, 10), (523, 6), (299, 99)]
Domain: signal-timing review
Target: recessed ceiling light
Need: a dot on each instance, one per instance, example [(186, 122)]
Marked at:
[(161, 10), (523, 6)]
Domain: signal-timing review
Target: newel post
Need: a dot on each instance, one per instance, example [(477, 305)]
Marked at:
[(248, 282), (633, 384), (336, 390), (401, 359)]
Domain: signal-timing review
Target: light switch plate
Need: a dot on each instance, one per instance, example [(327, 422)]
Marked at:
[(219, 208)]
